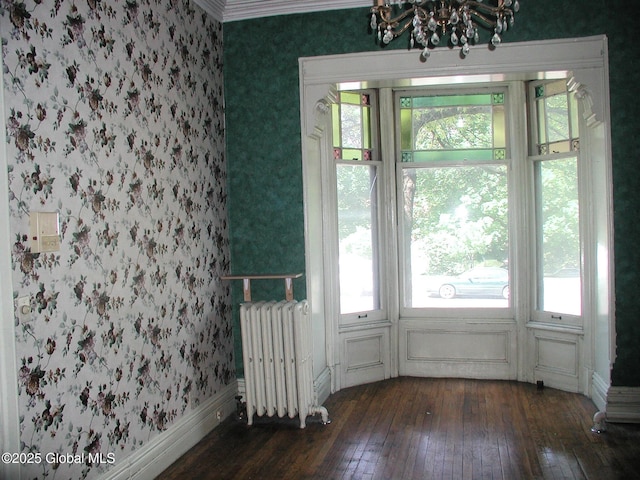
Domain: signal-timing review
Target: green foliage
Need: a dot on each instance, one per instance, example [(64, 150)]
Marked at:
[(559, 210), (459, 216)]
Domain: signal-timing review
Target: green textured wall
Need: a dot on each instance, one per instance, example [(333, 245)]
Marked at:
[(263, 138)]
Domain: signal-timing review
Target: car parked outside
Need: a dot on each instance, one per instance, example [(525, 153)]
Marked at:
[(477, 282)]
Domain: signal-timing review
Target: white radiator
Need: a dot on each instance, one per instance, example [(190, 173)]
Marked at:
[(278, 370)]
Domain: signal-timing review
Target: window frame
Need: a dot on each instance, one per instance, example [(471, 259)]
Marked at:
[(535, 158), (379, 270), (461, 313)]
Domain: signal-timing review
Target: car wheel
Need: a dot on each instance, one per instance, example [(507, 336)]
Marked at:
[(447, 291), (505, 292)]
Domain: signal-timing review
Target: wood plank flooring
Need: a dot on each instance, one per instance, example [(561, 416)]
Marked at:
[(420, 429)]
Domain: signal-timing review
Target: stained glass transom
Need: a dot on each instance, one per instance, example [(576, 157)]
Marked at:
[(453, 128)]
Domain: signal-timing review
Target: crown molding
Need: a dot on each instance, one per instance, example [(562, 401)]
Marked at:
[(234, 10), (214, 8)]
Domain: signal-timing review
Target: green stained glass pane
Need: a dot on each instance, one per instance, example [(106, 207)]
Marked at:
[(405, 129), (499, 127), (350, 97), (453, 155), (542, 120), (453, 128), (366, 127), (540, 91), (451, 100), (351, 154), (335, 122), (573, 105)]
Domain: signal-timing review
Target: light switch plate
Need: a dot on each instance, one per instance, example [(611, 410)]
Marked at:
[(24, 309), (44, 231)]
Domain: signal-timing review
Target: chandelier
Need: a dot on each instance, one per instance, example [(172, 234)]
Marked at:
[(431, 20)]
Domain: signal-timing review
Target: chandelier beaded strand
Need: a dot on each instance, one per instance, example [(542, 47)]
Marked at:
[(431, 20)]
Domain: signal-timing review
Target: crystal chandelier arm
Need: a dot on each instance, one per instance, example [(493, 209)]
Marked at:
[(478, 10), (432, 20), (386, 21)]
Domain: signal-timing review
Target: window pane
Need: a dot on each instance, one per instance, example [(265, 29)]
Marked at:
[(451, 155), (556, 118), (455, 237), (357, 231), (559, 236), (542, 122), (473, 125), (452, 128), (352, 126), (351, 122), (499, 128)]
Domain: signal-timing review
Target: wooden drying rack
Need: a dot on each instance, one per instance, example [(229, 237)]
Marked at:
[(246, 282)]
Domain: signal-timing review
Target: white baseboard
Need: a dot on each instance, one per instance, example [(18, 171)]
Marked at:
[(623, 405), (599, 390), (322, 386), (242, 389), (156, 456)]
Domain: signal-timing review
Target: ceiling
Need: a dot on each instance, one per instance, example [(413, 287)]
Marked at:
[(232, 10)]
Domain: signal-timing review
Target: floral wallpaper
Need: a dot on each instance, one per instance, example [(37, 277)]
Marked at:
[(114, 115)]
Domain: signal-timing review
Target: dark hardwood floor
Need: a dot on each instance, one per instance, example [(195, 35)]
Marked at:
[(422, 428)]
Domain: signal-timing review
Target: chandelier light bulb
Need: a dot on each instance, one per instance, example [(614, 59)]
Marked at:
[(431, 21)]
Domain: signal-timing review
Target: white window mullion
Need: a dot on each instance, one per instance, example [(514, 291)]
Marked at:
[(389, 222), (521, 230)]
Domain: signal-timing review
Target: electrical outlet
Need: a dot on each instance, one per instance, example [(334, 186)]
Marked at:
[(219, 415)]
